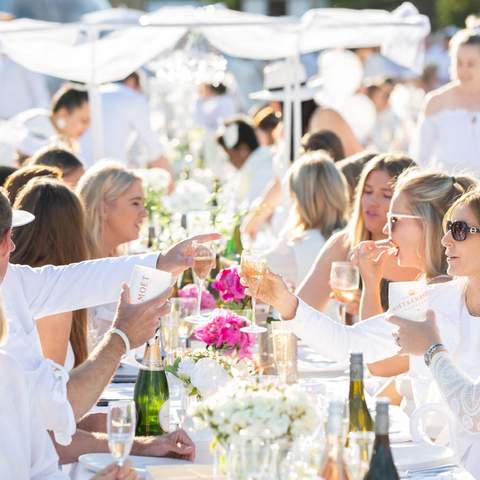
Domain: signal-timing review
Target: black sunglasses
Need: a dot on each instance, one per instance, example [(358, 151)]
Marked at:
[(460, 230)]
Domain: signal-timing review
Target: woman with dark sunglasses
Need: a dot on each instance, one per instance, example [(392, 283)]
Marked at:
[(417, 242), (454, 373)]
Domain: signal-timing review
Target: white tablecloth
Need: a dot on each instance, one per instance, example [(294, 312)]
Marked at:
[(316, 375)]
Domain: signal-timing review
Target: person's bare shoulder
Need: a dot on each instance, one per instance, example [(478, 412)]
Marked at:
[(338, 245), (440, 99)]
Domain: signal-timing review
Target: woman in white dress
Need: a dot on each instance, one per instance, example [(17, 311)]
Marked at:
[(448, 132), (319, 202), (415, 226), (114, 205)]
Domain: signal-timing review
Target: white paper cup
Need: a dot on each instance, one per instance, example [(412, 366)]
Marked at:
[(147, 283), (408, 300)]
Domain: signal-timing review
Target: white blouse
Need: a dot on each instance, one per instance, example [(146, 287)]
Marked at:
[(31, 293), (460, 333), (293, 259), (449, 140), (26, 450)]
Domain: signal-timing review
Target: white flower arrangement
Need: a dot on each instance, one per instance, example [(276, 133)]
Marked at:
[(157, 179), (202, 372), (189, 195), (273, 412)]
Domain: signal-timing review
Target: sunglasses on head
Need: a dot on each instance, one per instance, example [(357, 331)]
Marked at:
[(460, 230)]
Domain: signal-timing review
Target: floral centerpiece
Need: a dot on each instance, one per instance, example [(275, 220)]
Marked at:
[(222, 334), (231, 292), (208, 301), (279, 413), (202, 372)]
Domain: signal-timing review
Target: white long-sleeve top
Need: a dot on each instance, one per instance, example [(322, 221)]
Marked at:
[(459, 331), (32, 293), (26, 451)]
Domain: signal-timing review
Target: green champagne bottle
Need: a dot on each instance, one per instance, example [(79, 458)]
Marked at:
[(151, 394), (360, 419), (234, 247), (381, 464), (332, 466)]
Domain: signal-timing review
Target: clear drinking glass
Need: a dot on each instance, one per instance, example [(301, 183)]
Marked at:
[(253, 266), (203, 262), (254, 453), (359, 453), (284, 353), (121, 429), (344, 282), (170, 336), (183, 307)]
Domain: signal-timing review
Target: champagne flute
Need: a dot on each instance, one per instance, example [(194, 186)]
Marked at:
[(203, 262), (344, 281), (121, 429), (253, 266)]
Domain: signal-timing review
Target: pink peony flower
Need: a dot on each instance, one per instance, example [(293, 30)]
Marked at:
[(190, 290), (223, 333), (227, 283)]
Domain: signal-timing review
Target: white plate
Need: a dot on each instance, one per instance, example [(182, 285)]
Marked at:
[(411, 456), (97, 461)]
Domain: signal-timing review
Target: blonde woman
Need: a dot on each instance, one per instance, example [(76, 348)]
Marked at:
[(372, 200), (420, 203), (114, 205), (319, 196), (113, 201)]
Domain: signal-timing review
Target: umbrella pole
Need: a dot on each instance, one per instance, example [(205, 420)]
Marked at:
[(297, 108), (95, 100)]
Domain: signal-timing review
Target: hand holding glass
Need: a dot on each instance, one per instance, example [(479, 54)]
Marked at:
[(121, 429), (253, 266)]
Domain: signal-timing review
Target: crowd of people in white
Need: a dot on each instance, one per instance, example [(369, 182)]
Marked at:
[(63, 226)]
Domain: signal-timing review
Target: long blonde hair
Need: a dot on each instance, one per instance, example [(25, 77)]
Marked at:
[(391, 163), (103, 183), (320, 194), (431, 194)]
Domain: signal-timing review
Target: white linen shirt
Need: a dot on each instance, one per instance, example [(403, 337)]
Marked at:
[(124, 111), (32, 293), (26, 451)]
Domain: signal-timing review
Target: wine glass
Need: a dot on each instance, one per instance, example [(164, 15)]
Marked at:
[(253, 266), (344, 281), (203, 262), (121, 429)]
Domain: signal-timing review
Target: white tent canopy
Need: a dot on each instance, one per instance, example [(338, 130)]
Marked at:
[(52, 49)]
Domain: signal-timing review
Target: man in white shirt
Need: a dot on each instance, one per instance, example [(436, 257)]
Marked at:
[(30, 293), (253, 163), (125, 110)]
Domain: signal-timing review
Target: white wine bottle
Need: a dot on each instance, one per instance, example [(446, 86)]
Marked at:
[(381, 464), (333, 465), (360, 419), (151, 394)]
